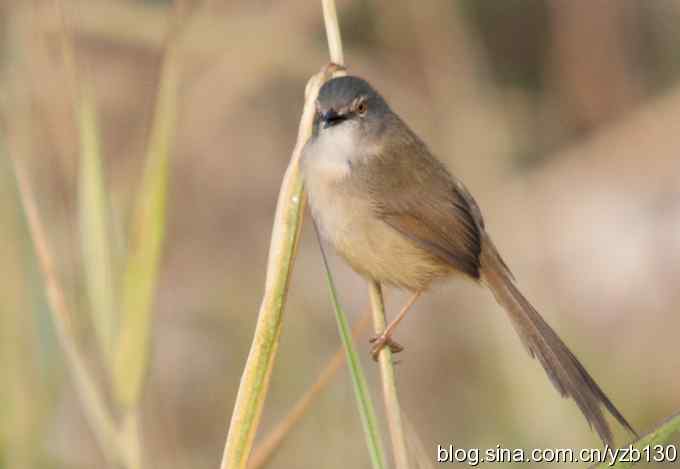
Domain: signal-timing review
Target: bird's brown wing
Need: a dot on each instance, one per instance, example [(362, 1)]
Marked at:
[(436, 213)]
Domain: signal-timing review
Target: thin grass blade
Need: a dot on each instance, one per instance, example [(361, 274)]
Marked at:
[(145, 243), (656, 441), (361, 393), (254, 383), (95, 234)]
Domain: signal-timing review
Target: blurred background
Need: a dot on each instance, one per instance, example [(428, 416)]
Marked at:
[(562, 117)]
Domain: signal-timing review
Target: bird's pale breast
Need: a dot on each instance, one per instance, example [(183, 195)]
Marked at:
[(347, 221)]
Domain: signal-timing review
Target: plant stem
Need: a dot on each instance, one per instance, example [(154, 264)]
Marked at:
[(361, 392), (330, 19), (655, 442), (392, 407), (100, 419), (274, 438), (283, 247)]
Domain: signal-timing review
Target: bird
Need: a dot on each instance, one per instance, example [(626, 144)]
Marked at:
[(397, 216)]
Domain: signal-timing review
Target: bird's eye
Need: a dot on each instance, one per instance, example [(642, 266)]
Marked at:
[(362, 107)]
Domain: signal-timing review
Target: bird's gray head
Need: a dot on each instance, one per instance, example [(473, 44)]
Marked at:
[(351, 101), (351, 125)]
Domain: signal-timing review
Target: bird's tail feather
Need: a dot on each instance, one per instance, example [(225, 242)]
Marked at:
[(566, 373)]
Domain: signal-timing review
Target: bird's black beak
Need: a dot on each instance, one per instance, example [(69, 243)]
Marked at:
[(331, 118)]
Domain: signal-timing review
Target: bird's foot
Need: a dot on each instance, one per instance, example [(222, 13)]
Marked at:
[(382, 340)]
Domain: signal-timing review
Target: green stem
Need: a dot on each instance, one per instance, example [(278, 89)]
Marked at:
[(657, 440), (363, 397)]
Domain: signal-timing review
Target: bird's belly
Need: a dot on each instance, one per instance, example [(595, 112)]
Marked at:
[(370, 246)]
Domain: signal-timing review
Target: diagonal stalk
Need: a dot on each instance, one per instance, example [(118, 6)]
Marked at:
[(265, 450), (98, 415), (361, 393), (283, 248)]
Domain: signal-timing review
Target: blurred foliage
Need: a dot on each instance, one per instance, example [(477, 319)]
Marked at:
[(516, 35), (560, 116)]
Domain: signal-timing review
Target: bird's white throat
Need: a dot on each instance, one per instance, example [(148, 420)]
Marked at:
[(333, 151)]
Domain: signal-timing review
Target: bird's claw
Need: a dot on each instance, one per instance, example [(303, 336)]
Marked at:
[(382, 340)]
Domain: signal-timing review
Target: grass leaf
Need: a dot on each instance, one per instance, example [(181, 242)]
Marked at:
[(282, 249), (95, 226), (145, 243), (661, 436), (361, 393)]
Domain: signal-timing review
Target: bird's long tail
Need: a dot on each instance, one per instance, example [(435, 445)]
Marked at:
[(564, 370)]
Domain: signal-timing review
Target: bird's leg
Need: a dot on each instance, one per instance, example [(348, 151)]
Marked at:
[(385, 339)]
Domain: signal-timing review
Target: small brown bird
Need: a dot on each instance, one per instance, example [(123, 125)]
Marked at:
[(397, 216)]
